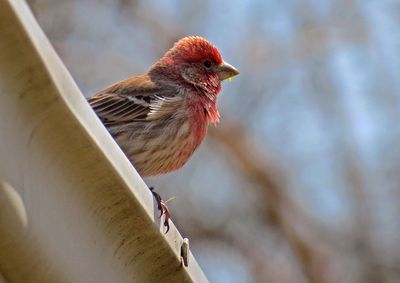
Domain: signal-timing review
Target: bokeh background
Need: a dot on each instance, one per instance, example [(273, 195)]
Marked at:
[(300, 180)]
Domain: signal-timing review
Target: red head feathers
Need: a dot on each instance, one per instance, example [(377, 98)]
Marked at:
[(194, 49)]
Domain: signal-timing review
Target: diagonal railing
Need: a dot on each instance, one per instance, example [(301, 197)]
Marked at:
[(72, 207)]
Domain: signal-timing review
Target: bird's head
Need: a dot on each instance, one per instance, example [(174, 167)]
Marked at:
[(194, 61)]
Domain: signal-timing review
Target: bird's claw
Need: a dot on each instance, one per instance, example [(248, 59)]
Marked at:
[(163, 208)]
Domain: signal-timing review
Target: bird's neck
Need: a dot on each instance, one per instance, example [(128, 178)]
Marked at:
[(204, 104), (202, 110)]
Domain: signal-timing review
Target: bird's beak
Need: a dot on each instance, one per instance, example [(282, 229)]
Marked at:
[(226, 71)]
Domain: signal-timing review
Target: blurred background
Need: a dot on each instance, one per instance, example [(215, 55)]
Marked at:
[(300, 180)]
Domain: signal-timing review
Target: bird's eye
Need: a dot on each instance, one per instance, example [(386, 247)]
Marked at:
[(207, 64)]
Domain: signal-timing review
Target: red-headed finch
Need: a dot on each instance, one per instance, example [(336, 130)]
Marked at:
[(160, 118)]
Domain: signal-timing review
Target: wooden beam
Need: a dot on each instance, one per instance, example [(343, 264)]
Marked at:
[(72, 207)]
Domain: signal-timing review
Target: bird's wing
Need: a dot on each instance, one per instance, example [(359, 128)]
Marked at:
[(135, 99)]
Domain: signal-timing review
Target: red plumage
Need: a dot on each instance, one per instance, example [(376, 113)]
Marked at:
[(193, 49), (159, 119)]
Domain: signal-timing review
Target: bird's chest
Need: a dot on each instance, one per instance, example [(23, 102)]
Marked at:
[(164, 145), (189, 135), (171, 145)]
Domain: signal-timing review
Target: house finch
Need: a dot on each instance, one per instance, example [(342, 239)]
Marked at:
[(160, 118)]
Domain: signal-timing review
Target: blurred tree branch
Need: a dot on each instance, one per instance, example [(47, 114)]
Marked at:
[(279, 209)]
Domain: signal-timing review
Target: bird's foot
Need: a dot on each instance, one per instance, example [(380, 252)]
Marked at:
[(163, 208)]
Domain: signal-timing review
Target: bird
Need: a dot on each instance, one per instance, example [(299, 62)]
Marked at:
[(160, 118)]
